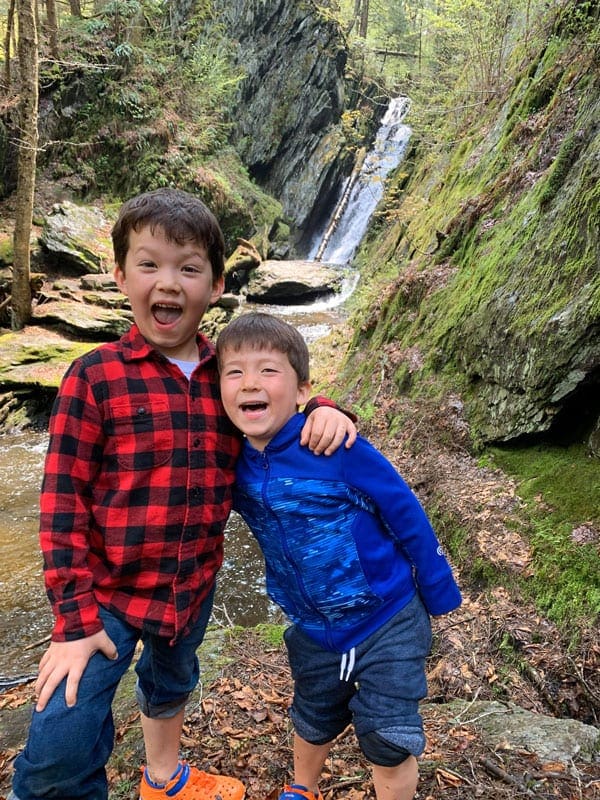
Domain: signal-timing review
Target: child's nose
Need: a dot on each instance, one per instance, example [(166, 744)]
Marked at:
[(168, 281), (250, 380)]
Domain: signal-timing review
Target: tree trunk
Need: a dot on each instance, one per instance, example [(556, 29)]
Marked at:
[(10, 22), (26, 162), (364, 19), (52, 23), (75, 7)]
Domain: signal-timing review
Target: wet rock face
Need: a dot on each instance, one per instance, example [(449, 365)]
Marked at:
[(287, 119), (537, 384)]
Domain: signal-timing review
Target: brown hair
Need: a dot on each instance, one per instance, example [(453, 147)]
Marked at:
[(259, 330), (181, 216)]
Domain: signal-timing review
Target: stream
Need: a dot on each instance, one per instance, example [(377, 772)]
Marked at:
[(25, 617)]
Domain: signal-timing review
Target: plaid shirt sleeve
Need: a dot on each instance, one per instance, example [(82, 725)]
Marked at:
[(319, 401), (72, 463)]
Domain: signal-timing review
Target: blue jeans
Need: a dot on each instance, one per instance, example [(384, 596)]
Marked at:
[(67, 748)]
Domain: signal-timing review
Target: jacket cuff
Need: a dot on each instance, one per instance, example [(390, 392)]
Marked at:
[(441, 597)]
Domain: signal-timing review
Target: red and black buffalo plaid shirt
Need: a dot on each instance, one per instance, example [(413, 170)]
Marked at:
[(136, 489)]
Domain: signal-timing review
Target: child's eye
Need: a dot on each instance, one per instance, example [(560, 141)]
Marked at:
[(191, 269)]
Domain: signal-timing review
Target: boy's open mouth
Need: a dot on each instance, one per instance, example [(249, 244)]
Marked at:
[(166, 314), (254, 406)]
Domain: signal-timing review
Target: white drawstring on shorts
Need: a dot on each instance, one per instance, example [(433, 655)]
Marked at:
[(347, 664)]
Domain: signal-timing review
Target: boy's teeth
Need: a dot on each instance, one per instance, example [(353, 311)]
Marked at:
[(166, 314)]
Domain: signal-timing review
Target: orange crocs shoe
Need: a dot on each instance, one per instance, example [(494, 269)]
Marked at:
[(294, 792), (193, 784)]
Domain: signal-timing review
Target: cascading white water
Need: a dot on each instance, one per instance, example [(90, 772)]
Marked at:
[(367, 190), (356, 202)]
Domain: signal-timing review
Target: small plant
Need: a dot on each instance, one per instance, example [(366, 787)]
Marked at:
[(271, 635), (367, 411)]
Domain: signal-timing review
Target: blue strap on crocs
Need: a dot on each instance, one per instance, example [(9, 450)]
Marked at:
[(302, 792)]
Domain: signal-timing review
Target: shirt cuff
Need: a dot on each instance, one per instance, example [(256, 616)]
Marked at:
[(320, 400)]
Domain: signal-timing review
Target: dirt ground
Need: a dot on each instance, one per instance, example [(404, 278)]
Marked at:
[(238, 725), (243, 726)]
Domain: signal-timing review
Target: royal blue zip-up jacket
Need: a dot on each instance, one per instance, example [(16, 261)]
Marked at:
[(346, 542)]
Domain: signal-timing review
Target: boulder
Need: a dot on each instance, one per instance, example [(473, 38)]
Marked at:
[(76, 239), (509, 727), (293, 282), (94, 322)]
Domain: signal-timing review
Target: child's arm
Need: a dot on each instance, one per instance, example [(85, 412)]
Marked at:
[(69, 660), (70, 470), (326, 427), (368, 471)]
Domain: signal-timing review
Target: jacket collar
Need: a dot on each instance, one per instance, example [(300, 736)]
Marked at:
[(289, 434)]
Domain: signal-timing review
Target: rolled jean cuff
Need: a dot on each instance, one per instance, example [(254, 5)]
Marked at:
[(163, 711)]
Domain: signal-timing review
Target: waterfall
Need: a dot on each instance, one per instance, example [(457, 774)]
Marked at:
[(338, 239)]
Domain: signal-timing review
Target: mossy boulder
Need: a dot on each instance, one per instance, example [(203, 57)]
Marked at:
[(76, 239)]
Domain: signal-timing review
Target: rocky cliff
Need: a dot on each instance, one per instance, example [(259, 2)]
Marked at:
[(492, 256), (287, 126), (288, 117)]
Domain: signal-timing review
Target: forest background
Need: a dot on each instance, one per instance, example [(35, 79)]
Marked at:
[(518, 507)]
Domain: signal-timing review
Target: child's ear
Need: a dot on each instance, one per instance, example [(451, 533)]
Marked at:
[(303, 394), (119, 276), (218, 289)]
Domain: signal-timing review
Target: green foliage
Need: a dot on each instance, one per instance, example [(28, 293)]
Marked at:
[(271, 635), (561, 487), (580, 17), (120, 15), (6, 251), (141, 102), (367, 411)]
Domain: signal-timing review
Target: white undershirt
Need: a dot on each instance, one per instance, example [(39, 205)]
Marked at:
[(187, 367)]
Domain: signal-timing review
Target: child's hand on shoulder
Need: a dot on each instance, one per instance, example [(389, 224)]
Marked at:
[(325, 430), (69, 660)]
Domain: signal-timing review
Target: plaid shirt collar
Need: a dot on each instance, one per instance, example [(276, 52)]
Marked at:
[(136, 347)]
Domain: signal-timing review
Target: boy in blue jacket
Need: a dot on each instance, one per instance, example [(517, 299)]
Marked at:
[(351, 558)]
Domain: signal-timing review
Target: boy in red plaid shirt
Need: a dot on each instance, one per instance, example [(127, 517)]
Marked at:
[(135, 497)]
